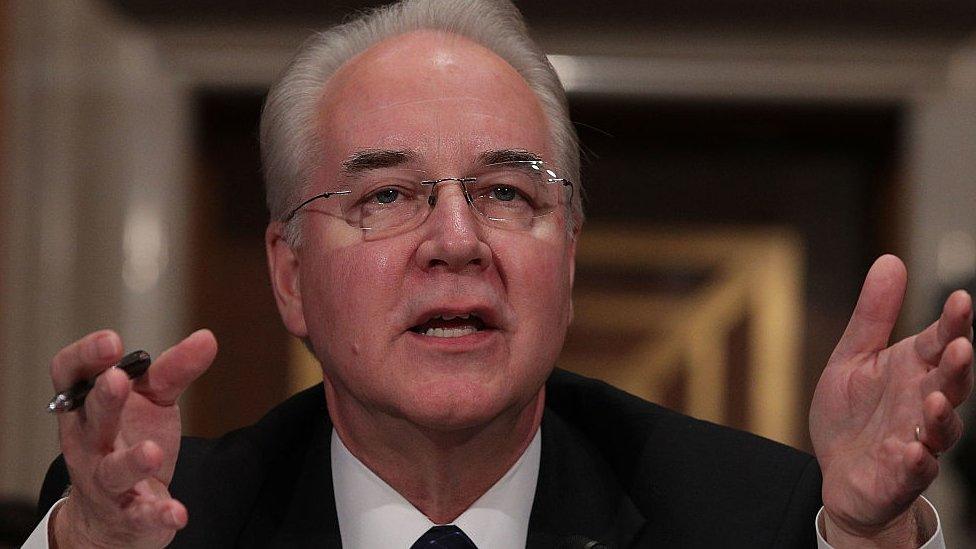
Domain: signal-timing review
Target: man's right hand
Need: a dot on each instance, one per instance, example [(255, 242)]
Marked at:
[(121, 446)]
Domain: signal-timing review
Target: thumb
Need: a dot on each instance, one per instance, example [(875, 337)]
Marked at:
[(877, 308)]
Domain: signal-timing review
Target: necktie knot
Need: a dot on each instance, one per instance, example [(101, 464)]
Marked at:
[(444, 537)]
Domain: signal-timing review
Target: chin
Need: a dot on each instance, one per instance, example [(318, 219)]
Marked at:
[(455, 405)]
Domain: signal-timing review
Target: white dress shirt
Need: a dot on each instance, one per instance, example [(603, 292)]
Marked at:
[(929, 515), (372, 515)]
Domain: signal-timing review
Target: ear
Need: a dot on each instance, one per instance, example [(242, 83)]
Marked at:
[(283, 266)]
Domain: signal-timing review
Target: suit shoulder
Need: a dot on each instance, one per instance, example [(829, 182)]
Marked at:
[(676, 467), (221, 480), (625, 421), (281, 429)]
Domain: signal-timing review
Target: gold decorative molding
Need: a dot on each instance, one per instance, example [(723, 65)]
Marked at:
[(304, 369), (705, 321)]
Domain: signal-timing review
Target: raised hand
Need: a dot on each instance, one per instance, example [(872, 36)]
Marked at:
[(121, 446), (870, 399)]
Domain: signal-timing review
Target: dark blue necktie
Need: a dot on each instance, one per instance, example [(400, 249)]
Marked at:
[(444, 537)]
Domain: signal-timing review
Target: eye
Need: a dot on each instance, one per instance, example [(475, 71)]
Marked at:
[(503, 193), (386, 196)]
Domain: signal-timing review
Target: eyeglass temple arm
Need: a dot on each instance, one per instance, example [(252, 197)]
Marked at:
[(326, 194)]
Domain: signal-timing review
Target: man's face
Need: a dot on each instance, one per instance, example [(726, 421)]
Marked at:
[(448, 102)]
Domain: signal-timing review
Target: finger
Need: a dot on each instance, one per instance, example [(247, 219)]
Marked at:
[(103, 409), (877, 308), (176, 368), (954, 376), (921, 467), (956, 321), (167, 514), (119, 471), (85, 358), (942, 426)]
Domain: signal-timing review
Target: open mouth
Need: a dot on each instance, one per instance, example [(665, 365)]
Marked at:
[(448, 325)]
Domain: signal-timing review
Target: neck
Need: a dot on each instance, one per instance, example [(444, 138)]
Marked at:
[(440, 472)]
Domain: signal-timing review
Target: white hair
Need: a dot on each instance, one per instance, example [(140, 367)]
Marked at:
[(290, 140)]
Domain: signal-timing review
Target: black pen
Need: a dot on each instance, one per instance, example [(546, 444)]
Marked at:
[(133, 364)]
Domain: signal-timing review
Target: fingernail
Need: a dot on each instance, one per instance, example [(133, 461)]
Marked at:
[(173, 521), (108, 392), (105, 346)]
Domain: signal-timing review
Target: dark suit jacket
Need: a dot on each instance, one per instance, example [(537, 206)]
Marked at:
[(614, 468)]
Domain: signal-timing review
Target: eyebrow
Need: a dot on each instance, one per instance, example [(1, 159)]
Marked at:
[(508, 155), (371, 159)]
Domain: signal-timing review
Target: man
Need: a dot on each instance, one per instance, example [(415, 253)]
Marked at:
[(422, 181)]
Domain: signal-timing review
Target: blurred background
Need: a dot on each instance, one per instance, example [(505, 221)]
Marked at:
[(745, 161)]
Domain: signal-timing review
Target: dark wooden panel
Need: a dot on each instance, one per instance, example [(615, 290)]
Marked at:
[(231, 289), (945, 18)]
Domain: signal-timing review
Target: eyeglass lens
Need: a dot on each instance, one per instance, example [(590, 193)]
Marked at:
[(508, 194)]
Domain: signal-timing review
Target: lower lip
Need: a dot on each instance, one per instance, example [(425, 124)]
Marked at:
[(466, 342)]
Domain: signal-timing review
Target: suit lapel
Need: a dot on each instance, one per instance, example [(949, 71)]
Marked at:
[(297, 507), (578, 494)]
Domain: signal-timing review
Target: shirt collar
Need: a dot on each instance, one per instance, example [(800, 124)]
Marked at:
[(372, 514)]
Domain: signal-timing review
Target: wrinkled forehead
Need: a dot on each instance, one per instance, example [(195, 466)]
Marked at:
[(438, 94)]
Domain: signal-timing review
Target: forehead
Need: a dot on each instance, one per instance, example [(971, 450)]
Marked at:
[(441, 95)]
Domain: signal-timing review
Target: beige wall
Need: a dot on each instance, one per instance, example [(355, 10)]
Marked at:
[(941, 215), (93, 182)]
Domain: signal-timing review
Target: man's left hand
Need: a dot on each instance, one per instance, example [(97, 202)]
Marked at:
[(881, 415)]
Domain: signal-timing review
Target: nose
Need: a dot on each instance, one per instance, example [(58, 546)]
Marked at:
[(453, 236)]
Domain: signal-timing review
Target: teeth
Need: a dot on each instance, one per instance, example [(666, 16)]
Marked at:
[(450, 332), (452, 317)]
